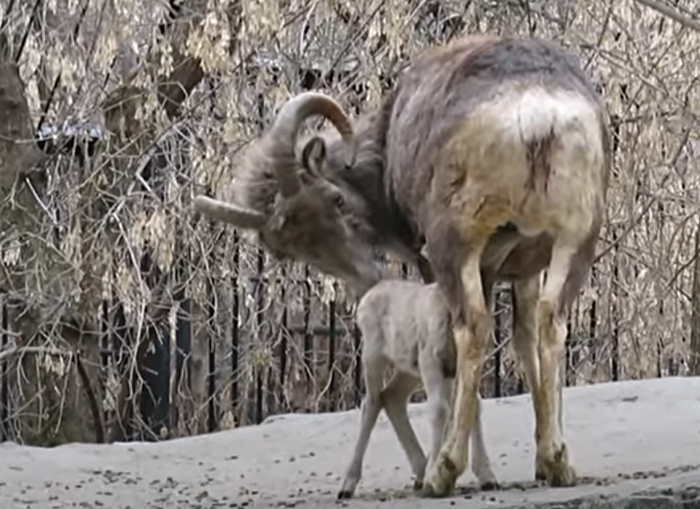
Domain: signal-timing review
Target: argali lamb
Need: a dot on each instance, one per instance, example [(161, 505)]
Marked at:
[(405, 325), (494, 153)]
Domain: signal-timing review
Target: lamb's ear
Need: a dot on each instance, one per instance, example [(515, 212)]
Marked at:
[(313, 154)]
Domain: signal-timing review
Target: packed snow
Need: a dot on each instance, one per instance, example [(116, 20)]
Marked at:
[(624, 438)]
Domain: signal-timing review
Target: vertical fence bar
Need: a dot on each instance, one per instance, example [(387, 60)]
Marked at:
[(155, 367), (614, 364), (212, 410), (4, 382), (358, 364), (155, 394), (308, 337), (577, 348), (235, 342), (283, 338), (183, 331), (211, 359), (520, 389), (593, 324), (122, 342), (498, 339), (259, 322), (569, 349), (183, 345), (660, 342), (104, 354), (104, 336), (331, 355), (163, 413)]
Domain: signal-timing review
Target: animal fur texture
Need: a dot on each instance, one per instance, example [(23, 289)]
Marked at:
[(493, 154), (406, 326)]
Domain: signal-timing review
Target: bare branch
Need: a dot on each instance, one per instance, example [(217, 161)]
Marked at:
[(667, 11), (5, 354)]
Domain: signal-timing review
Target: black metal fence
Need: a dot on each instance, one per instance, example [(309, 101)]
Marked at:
[(157, 401), (158, 405), (248, 391), (162, 363), (5, 425), (334, 339)]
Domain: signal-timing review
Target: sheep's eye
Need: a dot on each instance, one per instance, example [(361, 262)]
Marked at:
[(338, 201)]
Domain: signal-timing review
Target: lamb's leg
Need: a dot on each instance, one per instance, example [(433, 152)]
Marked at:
[(395, 401), (371, 406), (526, 293), (481, 465), (438, 393), (472, 330)]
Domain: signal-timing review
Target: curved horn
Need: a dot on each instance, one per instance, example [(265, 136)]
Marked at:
[(286, 127), (229, 213)]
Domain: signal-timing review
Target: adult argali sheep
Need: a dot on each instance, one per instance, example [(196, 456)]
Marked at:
[(405, 325), (493, 152)]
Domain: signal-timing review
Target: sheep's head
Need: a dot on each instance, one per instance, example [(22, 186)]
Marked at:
[(303, 216)]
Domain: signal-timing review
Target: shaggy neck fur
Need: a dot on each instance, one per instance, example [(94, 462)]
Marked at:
[(367, 179)]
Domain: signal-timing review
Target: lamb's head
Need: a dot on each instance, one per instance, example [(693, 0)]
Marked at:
[(285, 192)]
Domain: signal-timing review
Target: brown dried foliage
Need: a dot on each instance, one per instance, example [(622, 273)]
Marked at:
[(179, 88)]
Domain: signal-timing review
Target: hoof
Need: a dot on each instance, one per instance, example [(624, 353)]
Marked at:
[(441, 479), (490, 486), (556, 472), (418, 485), (427, 491), (344, 495)]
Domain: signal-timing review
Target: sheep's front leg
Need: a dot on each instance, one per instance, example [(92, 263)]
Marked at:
[(371, 406), (481, 464), (472, 330)]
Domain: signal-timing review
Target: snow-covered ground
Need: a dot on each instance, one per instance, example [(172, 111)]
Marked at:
[(624, 437)]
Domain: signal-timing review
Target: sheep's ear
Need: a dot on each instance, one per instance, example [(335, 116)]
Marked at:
[(313, 155)]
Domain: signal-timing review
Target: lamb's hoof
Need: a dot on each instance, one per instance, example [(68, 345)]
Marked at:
[(490, 486), (440, 480), (344, 494), (556, 472), (418, 485)]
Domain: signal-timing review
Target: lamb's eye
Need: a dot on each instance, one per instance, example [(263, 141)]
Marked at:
[(338, 201)]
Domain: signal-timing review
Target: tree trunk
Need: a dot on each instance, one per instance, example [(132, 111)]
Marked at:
[(26, 261)]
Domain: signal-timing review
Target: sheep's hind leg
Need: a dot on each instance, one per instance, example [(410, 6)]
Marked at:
[(526, 294), (552, 462)]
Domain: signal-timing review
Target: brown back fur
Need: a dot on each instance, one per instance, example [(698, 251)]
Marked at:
[(392, 197)]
